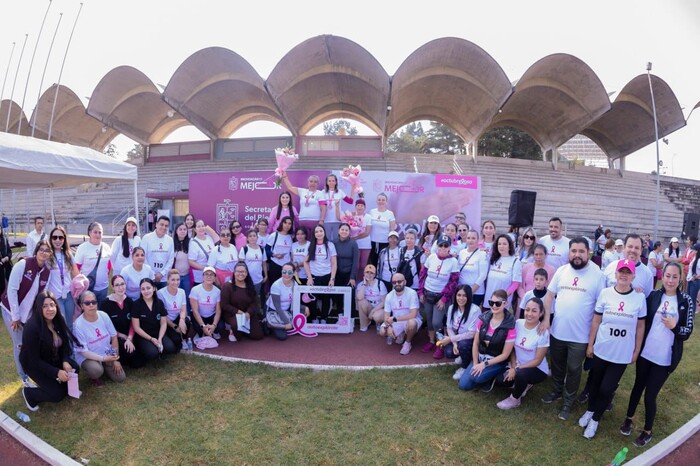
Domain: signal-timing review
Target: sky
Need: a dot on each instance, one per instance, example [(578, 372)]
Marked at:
[(616, 39)]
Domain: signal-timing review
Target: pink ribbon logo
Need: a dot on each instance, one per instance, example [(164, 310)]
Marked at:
[(665, 306), (575, 283), (208, 299), (522, 342), (97, 331), (552, 251), (622, 306), (298, 323), (161, 245)]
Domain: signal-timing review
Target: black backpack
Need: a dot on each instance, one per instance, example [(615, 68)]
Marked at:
[(404, 267)]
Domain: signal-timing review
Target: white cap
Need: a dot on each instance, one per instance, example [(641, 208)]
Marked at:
[(209, 268), (434, 218), (133, 220), (674, 240), (619, 242)]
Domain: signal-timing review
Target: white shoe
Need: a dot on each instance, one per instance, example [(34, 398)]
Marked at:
[(232, 337), (29, 407), (406, 348), (389, 340), (323, 321), (458, 360), (364, 329), (217, 336), (509, 403), (585, 419), (591, 428), (315, 321), (29, 383), (458, 373)]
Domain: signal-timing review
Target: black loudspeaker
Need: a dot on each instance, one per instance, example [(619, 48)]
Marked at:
[(690, 225), (521, 212)]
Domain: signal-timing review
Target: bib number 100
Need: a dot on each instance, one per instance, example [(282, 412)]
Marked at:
[(616, 332)]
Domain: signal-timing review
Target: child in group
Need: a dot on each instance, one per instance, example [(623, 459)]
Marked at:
[(262, 227), (540, 279)]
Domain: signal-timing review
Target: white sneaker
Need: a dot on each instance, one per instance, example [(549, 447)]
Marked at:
[(315, 321), (458, 373), (406, 348), (591, 428), (29, 407), (323, 321), (389, 340), (29, 383), (232, 337), (364, 329), (458, 360), (184, 345), (585, 419), (217, 336), (509, 403)]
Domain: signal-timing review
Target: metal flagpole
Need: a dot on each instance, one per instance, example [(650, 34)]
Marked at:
[(656, 134), (14, 82), (60, 74), (41, 84), (31, 64), (7, 71)]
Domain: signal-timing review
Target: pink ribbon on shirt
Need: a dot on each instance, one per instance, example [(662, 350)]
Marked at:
[(622, 306), (298, 323)]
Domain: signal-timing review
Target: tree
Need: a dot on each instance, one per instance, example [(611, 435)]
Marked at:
[(506, 141), (332, 128), (111, 151), (135, 153), (410, 139), (440, 139)]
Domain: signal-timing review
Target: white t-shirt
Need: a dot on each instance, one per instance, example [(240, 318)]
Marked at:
[(527, 342), (299, 253), (254, 259), (223, 258), (173, 304), (643, 277), (454, 322), (160, 253), (659, 342), (373, 292), (615, 339), (557, 251), (321, 265), (60, 279), (366, 242), (381, 225), (199, 251), (390, 259), (283, 245), (329, 198), (132, 278), (285, 293), (475, 270), (118, 259), (577, 292), (659, 258), (608, 257), (262, 240), (87, 254), (93, 336), (439, 271), (402, 305), (309, 208), (502, 274), (207, 300)]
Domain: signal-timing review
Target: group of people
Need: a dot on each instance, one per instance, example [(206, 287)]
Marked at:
[(496, 303)]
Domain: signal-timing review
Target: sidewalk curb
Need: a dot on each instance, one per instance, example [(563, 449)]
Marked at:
[(37, 446), (667, 445)]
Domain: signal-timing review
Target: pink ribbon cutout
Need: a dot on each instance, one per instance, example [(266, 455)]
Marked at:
[(622, 306), (522, 342), (298, 323), (575, 283)]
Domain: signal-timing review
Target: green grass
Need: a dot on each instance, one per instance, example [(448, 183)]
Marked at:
[(193, 410)]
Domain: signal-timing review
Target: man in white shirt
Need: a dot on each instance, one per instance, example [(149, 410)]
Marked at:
[(36, 235), (574, 290), (643, 278), (557, 245), (160, 250), (401, 314)]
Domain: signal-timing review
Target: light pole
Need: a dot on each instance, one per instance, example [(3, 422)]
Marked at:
[(658, 165)]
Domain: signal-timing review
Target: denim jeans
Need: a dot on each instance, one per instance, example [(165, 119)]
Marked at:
[(469, 381), (67, 306), (465, 351)]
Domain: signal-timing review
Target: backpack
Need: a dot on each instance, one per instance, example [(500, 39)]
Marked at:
[(404, 267)]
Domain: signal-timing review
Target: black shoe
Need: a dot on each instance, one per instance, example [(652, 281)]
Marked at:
[(29, 407), (643, 439), (583, 397), (551, 397), (488, 386), (626, 427)]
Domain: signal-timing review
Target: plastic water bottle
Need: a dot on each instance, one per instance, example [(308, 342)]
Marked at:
[(23, 417), (190, 347), (620, 457)]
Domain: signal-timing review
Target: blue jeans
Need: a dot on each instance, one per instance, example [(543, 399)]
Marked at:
[(465, 351), (693, 288), (67, 306), (469, 381), (101, 295)]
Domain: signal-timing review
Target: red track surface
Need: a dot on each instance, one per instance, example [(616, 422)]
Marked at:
[(13, 453)]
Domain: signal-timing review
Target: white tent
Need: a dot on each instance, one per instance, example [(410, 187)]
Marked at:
[(27, 162)]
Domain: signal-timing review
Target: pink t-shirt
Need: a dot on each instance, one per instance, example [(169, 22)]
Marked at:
[(528, 277)]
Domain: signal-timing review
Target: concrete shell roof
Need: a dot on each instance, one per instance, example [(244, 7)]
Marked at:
[(329, 77), (126, 100), (556, 97), (452, 81), (14, 119), (70, 123), (218, 92), (629, 125)]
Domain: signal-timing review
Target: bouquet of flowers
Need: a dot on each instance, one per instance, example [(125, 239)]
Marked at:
[(352, 175), (355, 223), (285, 158)]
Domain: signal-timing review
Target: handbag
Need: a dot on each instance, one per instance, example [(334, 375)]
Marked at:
[(431, 297), (92, 276)]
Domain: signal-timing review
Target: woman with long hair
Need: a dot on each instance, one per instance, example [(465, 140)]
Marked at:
[(179, 325), (488, 236), (118, 307), (309, 201), (673, 252), (526, 246), (669, 323), (473, 267), (279, 303), (693, 277), (238, 237), (181, 244), (124, 244), (348, 255), (331, 196), (383, 222), (431, 232), (255, 259), (63, 269), (205, 300), (505, 270), (47, 352), (201, 246), (609, 254), (98, 352), (361, 236), (279, 248), (223, 258), (92, 258), (321, 266), (189, 223), (284, 208), (656, 262), (137, 271), (461, 326), (149, 319), (238, 297), (300, 249), (5, 260)]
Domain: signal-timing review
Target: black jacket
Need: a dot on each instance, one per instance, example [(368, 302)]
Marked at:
[(38, 354), (498, 340), (682, 330)]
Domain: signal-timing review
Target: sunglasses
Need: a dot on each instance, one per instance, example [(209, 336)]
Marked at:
[(496, 303), (119, 284), (225, 235), (45, 251), (56, 238), (444, 246), (398, 282), (235, 227), (287, 272), (90, 303), (529, 237)]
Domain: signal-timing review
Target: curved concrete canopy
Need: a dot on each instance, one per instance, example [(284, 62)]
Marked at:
[(329, 77), (15, 114), (452, 81), (126, 100), (629, 125), (556, 98), (218, 92), (70, 123)]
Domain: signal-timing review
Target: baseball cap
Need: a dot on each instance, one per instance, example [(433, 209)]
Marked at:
[(625, 264), (393, 233), (209, 269), (619, 242), (444, 239), (133, 220), (360, 201), (370, 268), (674, 240), (433, 218)]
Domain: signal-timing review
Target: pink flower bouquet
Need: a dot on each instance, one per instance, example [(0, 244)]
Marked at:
[(285, 158), (355, 223), (352, 175)]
